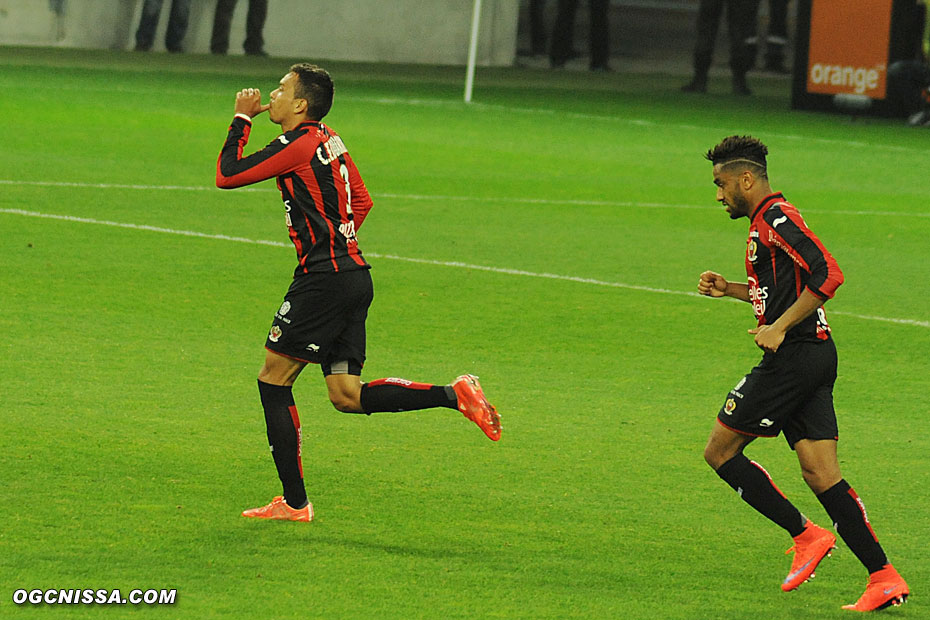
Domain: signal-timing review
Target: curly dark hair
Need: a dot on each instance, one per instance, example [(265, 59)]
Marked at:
[(316, 86), (744, 150)]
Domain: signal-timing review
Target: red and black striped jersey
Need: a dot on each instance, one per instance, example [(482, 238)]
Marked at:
[(325, 199), (783, 257)]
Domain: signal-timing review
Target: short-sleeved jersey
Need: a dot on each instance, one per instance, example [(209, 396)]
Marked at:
[(325, 199), (783, 257)]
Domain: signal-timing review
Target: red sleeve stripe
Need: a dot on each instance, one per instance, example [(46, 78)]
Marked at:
[(783, 244), (832, 278), (277, 158)]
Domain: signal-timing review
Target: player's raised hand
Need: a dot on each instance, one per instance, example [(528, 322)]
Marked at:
[(712, 284), (249, 102)]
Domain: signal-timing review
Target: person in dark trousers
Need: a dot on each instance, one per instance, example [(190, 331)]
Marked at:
[(177, 25), (790, 274), (322, 317), (741, 17), (908, 84), (776, 38), (563, 34), (538, 30), (254, 25)]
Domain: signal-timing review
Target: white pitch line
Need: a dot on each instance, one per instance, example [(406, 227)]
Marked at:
[(445, 198), (422, 261), (869, 317), (183, 188), (438, 197), (170, 231)]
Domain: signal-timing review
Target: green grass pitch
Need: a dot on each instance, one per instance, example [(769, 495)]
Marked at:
[(130, 430)]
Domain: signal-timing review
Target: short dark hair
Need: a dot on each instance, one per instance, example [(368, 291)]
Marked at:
[(740, 150), (316, 86)]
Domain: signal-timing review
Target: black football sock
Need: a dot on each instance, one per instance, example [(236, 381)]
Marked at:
[(852, 524), (284, 440), (395, 394), (758, 490)]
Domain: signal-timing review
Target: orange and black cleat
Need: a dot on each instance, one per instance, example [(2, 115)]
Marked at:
[(278, 509), (475, 407), (810, 547), (886, 588)]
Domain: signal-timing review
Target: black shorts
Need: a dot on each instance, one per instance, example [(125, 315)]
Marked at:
[(790, 392), (322, 321)]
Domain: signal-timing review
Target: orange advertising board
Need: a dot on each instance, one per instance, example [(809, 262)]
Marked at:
[(848, 50)]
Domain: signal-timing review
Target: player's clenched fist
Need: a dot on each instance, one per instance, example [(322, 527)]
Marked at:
[(712, 284), (249, 102)]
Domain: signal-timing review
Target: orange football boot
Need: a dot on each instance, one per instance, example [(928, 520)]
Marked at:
[(278, 509), (476, 407), (886, 588), (810, 547)]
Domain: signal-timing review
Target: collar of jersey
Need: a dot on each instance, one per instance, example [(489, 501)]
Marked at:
[(766, 203)]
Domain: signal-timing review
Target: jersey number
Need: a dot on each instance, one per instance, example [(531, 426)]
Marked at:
[(344, 172), (348, 228)]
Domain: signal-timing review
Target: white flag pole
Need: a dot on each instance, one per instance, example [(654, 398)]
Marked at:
[(472, 51)]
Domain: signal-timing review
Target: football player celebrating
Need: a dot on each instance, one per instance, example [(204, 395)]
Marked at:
[(322, 318), (790, 276)]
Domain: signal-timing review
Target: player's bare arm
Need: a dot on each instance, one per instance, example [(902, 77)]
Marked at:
[(249, 102), (770, 337), (713, 284)]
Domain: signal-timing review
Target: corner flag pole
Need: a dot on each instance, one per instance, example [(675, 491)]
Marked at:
[(472, 51)]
